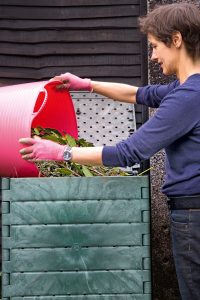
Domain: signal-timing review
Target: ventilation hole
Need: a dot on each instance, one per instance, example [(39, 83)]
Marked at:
[(78, 112)]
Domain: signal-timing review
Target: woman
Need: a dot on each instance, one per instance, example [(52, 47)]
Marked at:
[(174, 33)]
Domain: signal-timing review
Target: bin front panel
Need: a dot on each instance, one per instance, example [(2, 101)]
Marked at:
[(76, 238)]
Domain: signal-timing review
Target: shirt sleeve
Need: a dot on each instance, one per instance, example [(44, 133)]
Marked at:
[(175, 117), (152, 95)]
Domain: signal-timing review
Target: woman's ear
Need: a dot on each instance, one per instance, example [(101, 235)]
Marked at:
[(177, 39)]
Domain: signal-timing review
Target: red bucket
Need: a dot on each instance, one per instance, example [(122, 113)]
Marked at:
[(24, 106)]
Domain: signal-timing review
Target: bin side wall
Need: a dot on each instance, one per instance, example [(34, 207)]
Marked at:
[(76, 237)]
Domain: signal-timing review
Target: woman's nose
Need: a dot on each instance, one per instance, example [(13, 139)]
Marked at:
[(153, 55)]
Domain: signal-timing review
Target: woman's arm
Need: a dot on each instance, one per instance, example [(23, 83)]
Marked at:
[(40, 149), (116, 91), (87, 155)]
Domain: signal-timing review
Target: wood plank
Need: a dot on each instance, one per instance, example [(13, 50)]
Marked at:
[(75, 60), (76, 283), (83, 71), (128, 80), (75, 259), (54, 13), (62, 3), (117, 22), (92, 188), (70, 48), (23, 236), (76, 212), (41, 36)]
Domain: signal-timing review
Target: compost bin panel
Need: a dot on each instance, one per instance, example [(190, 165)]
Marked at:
[(76, 238)]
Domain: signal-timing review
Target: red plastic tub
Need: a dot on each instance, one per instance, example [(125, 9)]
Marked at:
[(24, 106)]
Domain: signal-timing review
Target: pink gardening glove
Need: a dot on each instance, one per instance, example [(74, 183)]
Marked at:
[(40, 149), (73, 83)]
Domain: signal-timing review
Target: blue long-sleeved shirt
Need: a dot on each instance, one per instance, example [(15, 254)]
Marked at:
[(175, 127)]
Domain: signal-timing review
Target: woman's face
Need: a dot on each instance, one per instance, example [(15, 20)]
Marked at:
[(166, 57)]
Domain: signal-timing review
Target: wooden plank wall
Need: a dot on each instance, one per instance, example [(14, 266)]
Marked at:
[(91, 38)]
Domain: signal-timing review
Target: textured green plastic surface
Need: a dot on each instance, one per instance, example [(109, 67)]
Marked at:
[(76, 238)]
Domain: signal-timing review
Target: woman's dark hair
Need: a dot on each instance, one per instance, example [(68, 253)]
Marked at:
[(183, 17)]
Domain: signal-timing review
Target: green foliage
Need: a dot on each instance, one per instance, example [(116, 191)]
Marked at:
[(62, 169)]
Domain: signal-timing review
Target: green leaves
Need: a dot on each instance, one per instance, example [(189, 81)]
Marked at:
[(70, 140), (61, 169), (86, 172)]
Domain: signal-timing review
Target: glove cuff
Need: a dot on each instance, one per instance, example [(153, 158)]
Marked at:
[(88, 85), (60, 153)]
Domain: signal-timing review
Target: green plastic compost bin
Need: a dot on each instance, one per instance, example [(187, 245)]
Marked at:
[(76, 238)]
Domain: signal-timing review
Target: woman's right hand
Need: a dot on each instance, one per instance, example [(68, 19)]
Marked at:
[(73, 83)]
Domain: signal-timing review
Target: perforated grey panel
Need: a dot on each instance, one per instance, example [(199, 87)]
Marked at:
[(103, 121)]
